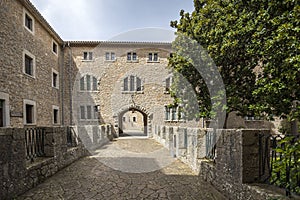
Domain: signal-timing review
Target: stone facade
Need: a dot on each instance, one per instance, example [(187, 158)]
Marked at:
[(114, 96), (18, 174), (53, 82), (235, 170), (44, 47)]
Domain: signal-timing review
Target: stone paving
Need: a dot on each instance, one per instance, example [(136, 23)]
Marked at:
[(127, 168)]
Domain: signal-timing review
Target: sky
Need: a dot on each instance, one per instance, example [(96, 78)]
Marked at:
[(137, 20)]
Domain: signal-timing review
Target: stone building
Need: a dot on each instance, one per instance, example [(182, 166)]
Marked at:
[(31, 88), (122, 83), (45, 81)]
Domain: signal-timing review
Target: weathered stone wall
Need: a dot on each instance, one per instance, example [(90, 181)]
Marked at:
[(236, 166), (17, 174), (110, 96), (15, 38), (187, 144)]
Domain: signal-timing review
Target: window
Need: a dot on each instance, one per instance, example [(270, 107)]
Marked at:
[(54, 47), (110, 56), (168, 84), (132, 84), (4, 110), (125, 87), (131, 56), (82, 112), (29, 112), (153, 57), (82, 84), (28, 21), (29, 63), (169, 81), (87, 55), (134, 119), (88, 112), (55, 79), (88, 83), (55, 114), (95, 84), (173, 113), (124, 119)]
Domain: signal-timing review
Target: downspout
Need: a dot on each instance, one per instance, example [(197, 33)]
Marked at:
[(70, 83), (62, 85)]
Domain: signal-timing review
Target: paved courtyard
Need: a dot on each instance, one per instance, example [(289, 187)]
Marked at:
[(127, 168)]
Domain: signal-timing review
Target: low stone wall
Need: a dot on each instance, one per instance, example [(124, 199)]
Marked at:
[(18, 174), (94, 136), (187, 144), (236, 166)]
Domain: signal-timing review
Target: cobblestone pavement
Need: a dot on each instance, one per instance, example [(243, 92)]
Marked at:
[(93, 178)]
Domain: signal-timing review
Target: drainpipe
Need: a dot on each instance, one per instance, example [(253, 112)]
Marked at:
[(70, 82), (62, 85)]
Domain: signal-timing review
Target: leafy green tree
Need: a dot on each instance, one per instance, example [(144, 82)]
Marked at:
[(220, 28), (277, 45), (255, 45)]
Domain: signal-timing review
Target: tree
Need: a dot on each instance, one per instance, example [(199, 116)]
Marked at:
[(220, 28), (277, 44), (255, 45)]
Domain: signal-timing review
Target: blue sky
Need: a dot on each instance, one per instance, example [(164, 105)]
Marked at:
[(112, 19)]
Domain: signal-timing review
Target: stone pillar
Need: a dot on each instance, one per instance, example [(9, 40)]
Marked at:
[(49, 142), (256, 155), (180, 142), (12, 162), (201, 143)]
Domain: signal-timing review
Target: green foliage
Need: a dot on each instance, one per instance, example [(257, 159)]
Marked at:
[(287, 165), (277, 46), (255, 45)]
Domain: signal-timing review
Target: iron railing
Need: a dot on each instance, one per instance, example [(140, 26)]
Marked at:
[(211, 140), (279, 158), (34, 143)]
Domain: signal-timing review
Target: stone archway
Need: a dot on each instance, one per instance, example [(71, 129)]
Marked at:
[(118, 119)]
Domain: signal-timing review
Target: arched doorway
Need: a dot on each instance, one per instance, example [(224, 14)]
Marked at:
[(133, 121)]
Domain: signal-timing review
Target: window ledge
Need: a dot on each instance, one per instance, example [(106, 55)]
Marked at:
[(110, 61), (132, 61), (83, 60), (151, 61), (29, 30), (132, 92), (32, 125), (29, 76), (89, 120), (170, 121), (90, 91)]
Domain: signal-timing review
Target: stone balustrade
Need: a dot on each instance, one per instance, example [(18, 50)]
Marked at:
[(236, 165), (19, 174)]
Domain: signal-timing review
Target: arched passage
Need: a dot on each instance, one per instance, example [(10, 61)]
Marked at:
[(133, 119)]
